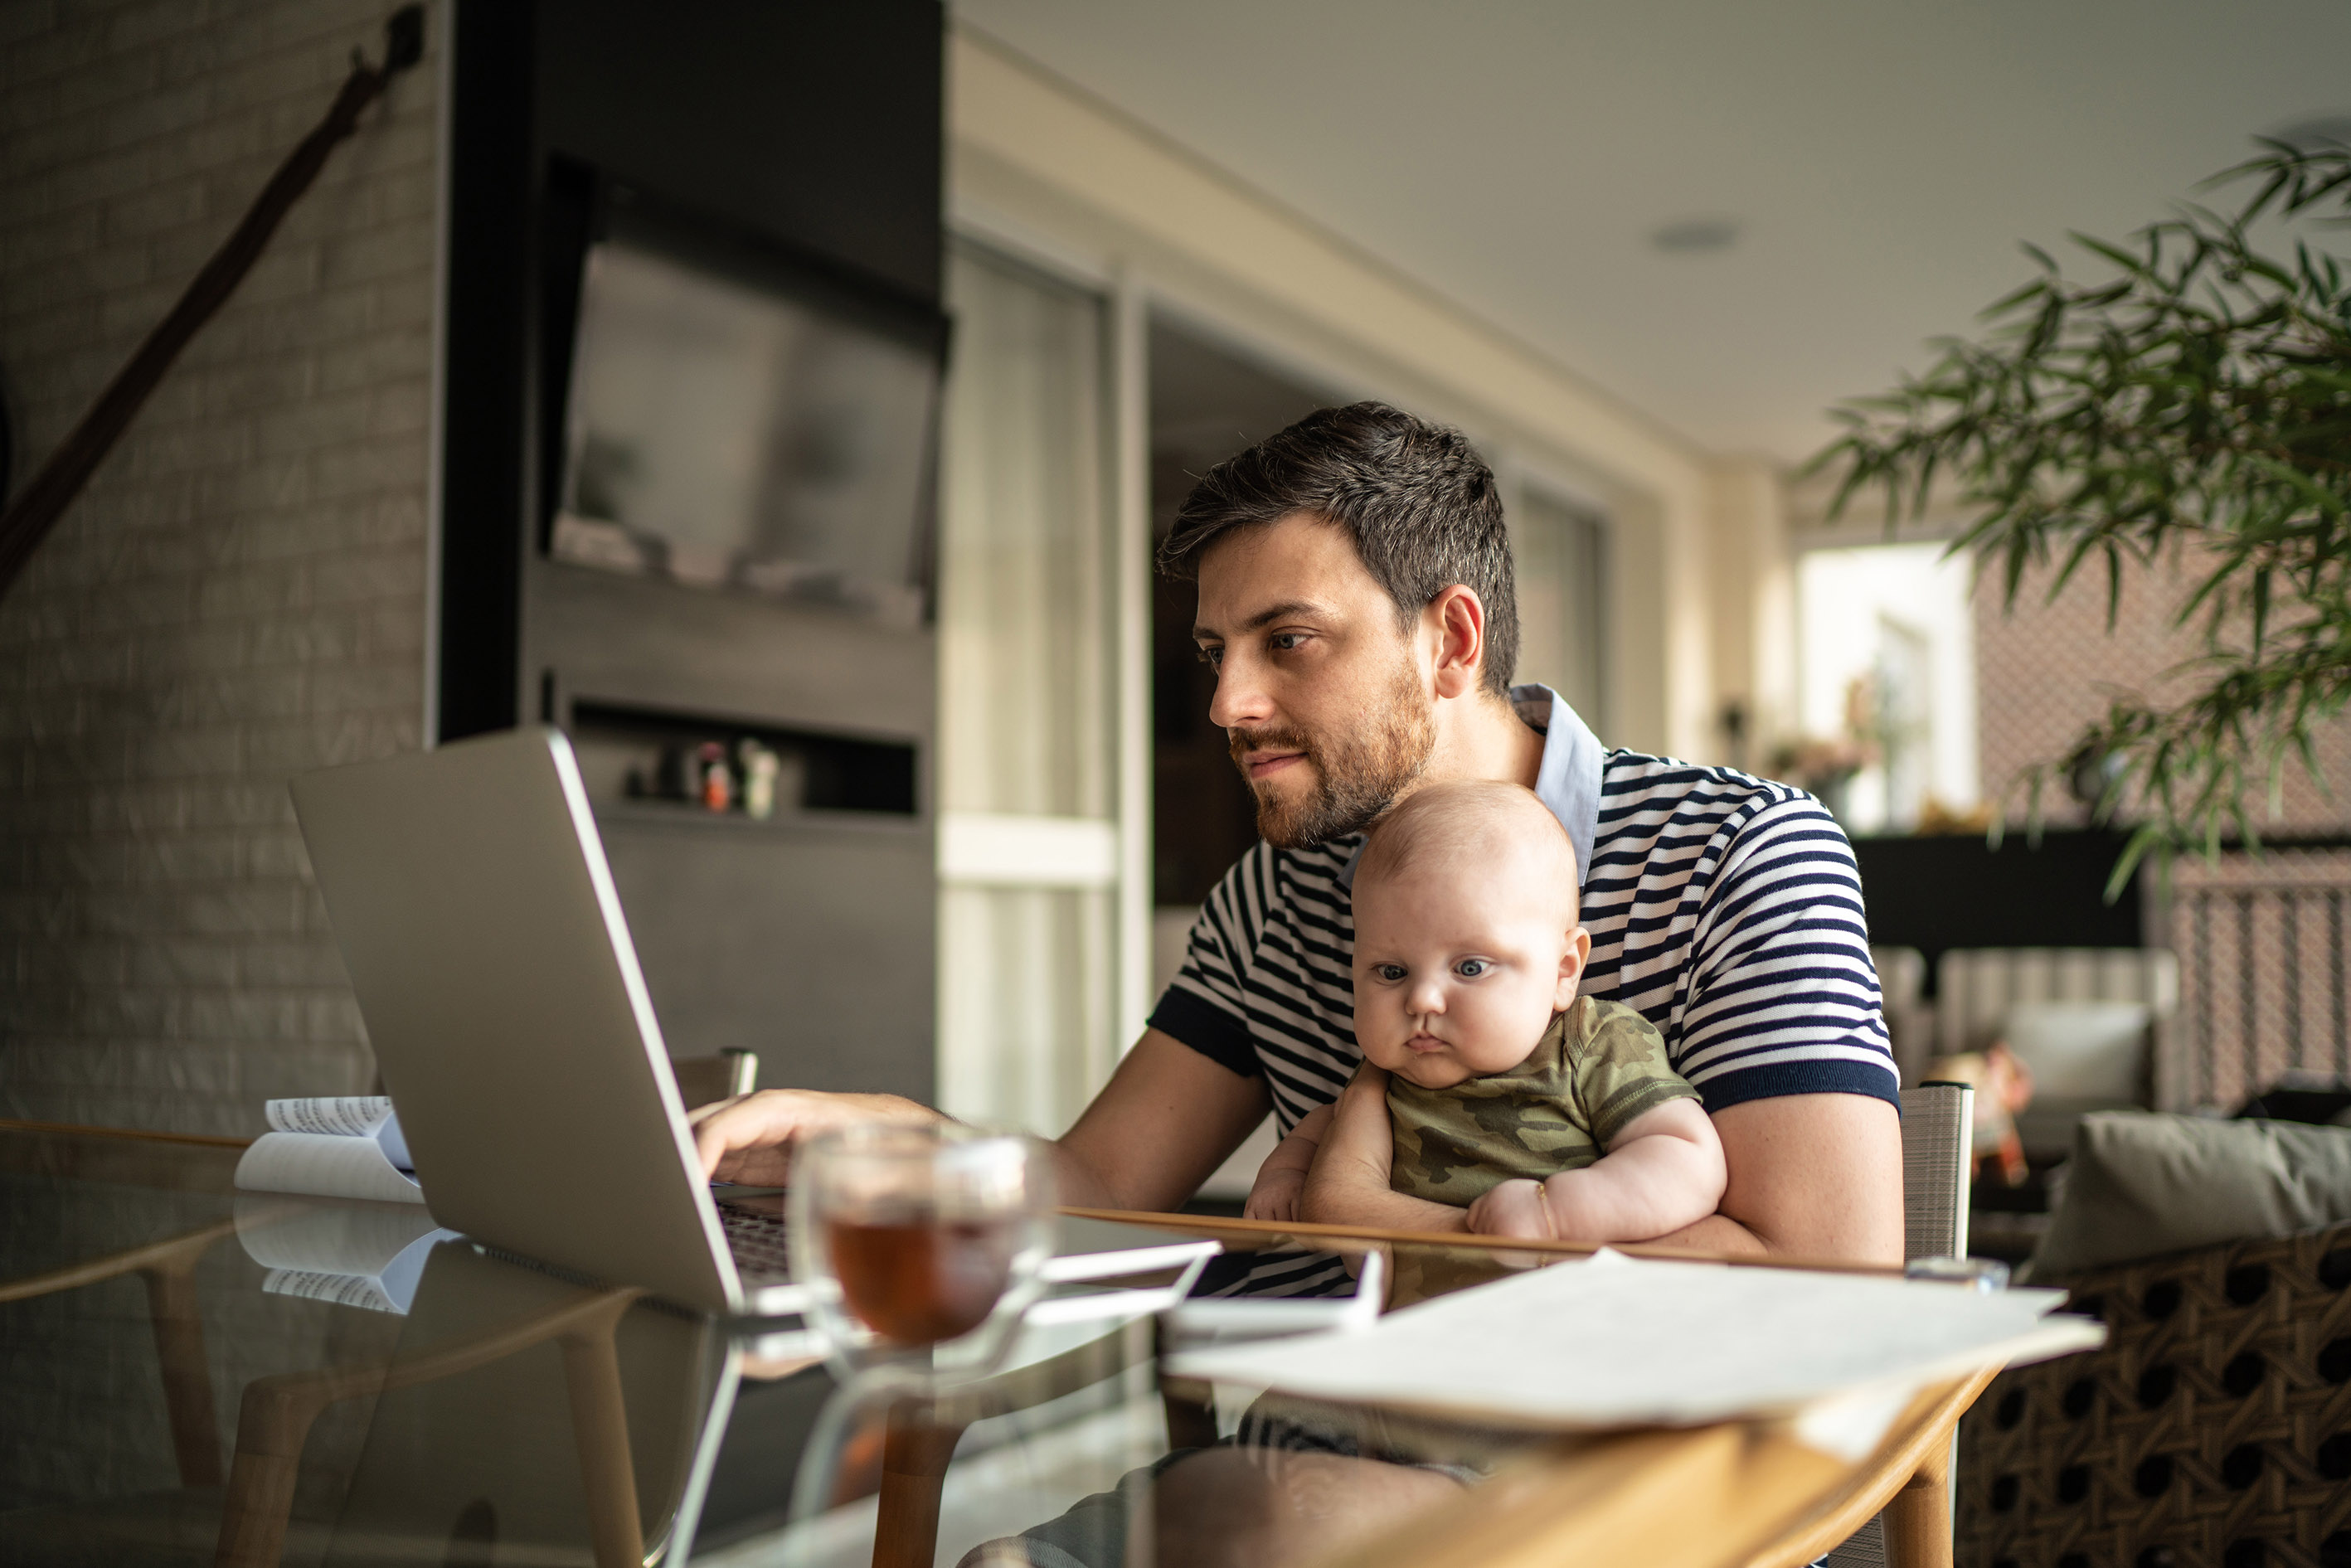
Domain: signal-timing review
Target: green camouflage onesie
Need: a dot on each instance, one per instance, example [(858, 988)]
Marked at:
[(1598, 1068)]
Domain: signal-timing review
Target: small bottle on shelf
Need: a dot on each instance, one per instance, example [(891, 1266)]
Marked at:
[(758, 767), (717, 778)]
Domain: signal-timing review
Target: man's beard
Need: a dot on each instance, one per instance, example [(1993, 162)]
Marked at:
[(1358, 773)]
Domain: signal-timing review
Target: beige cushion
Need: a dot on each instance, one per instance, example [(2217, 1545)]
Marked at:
[(2140, 1183), (2082, 1049)]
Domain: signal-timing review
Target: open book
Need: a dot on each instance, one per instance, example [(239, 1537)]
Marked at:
[(367, 1256), (344, 1146)]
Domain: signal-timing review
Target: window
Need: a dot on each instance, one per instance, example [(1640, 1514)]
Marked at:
[(1887, 690)]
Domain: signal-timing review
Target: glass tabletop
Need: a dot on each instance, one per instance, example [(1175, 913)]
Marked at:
[(197, 1375)]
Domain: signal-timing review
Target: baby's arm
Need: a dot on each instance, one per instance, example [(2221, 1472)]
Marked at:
[(1663, 1171), (1279, 1181)]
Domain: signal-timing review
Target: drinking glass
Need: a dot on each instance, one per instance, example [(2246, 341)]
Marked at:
[(913, 1236)]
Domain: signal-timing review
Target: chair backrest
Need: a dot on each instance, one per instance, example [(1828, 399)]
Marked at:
[(704, 1079), (1976, 987), (1936, 1124), (1936, 1120)]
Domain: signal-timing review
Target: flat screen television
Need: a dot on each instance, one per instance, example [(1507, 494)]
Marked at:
[(734, 423)]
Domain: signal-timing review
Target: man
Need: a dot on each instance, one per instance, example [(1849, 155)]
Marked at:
[(1356, 601)]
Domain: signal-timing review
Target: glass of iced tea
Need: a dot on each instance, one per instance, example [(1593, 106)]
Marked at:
[(911, 1236)]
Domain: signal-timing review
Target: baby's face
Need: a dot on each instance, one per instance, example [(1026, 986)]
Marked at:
[(1459, 969)]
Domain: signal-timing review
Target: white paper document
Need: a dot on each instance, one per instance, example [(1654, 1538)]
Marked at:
[(1622, 1342)]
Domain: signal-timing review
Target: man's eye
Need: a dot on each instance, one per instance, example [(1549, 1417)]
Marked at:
[(1212, 657), (1284, 642), (1471, 968)]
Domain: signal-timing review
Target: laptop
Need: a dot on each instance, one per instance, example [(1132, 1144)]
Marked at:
[(485, 943)]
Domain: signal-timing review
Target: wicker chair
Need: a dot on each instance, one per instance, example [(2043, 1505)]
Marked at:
[(2214, 1429)]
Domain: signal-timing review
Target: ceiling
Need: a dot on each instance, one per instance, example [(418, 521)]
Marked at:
[(1879, 160)]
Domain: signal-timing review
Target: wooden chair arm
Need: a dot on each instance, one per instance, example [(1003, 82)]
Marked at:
[(1917, 1463)]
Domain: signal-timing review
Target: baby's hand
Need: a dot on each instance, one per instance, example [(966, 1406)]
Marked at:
[(1512, 1209), (1275, 1196)]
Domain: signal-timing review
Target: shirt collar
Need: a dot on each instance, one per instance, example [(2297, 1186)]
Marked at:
[(1567, 781)]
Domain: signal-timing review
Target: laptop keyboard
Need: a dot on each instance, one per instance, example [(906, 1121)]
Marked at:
[(757, 1241)]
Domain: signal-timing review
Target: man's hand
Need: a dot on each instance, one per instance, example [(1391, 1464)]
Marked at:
[(749, 1139), (1349, 1183)]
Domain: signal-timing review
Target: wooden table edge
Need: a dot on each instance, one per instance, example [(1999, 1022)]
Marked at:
[(1731, 1495), (137, 1135)]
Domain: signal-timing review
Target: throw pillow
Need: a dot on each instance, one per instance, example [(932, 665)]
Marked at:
[(2140, 1183), (2082, 1049)]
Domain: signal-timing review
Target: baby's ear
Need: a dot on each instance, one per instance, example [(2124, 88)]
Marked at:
[(1571, 966)]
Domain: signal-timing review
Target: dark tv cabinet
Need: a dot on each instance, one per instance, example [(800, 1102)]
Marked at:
[(810, 936)]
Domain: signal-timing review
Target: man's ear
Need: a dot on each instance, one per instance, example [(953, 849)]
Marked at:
[(1571, 966), (1455, 619)]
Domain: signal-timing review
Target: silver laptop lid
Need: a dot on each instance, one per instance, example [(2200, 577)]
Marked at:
[(474, 911)]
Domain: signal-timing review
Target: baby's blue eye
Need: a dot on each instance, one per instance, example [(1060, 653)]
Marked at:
[(1471, 968), (1388, 972)]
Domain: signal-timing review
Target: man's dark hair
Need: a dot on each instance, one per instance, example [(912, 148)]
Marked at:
[(1419, 503)]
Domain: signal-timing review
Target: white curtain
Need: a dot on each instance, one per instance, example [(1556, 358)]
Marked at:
[(1025, 1003), (1025, 730)]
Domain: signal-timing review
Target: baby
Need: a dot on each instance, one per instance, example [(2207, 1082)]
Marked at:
[(1542, 1112)]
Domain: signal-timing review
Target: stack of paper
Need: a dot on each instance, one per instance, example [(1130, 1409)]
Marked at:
[(1619, 1341)]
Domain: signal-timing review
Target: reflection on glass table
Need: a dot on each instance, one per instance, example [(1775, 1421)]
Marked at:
[(179, 1389), (1078, 1451), (1092, 1453), (496, 1362)]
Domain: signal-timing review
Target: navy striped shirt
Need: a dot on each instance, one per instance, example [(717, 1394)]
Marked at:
[(1725, 908)]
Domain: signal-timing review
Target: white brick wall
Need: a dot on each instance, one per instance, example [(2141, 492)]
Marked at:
[(240, 593)]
